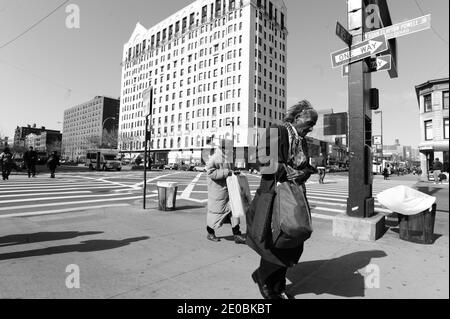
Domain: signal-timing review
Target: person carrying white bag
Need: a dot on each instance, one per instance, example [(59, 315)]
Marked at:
[(218, 169)]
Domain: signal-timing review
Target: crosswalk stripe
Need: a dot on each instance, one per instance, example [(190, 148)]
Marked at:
[(188, 190), (46, 194), (72, 203), (57, 189), (53, 186), (55, 198)]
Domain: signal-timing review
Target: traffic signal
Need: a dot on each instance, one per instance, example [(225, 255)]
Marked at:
[(374, 99)]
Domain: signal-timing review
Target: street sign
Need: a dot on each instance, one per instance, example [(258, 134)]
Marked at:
[(345, 70), (377, 140), (381, 63), (343, 34), (402, 29), (359, 51), (146, 100)]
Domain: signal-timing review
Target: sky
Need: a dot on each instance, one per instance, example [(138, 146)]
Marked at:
[(52, 68)]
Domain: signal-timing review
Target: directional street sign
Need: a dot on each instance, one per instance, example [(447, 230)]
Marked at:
[(402, 29), (343, 34), (345, 70), (381, 63), (359, 51)]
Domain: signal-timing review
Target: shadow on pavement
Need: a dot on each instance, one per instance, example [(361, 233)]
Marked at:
[(428, 190), (342, 276), (183, 208), (20, 239), (83, 247), (435, 236)]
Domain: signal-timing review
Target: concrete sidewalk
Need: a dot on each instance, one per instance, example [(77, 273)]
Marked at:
[(131, 253)]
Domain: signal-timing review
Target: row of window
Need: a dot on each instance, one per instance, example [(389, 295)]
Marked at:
[(429, 136), (428, 102)]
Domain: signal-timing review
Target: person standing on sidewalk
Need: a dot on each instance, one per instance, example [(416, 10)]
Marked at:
[(219, 212), (6, 160), (293, 156), (321, 167), (30, 157), (437, 170), (52, 163)]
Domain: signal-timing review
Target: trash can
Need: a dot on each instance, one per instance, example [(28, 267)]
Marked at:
[(167, 196), (418, 228), (416, 212)]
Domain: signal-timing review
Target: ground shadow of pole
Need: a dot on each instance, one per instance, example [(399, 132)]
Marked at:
[(20, 239), (83, 247), (342, 276)]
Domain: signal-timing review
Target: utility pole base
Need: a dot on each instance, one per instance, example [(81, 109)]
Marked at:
[(361, 229)]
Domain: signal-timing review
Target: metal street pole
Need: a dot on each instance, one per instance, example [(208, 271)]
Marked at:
[(382, 138), (360, 202), (148, 98), (145, 161)]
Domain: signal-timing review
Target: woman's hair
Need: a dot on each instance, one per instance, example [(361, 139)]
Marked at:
[(297, 109)]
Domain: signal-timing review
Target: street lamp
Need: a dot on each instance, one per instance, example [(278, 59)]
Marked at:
[(382, 141)]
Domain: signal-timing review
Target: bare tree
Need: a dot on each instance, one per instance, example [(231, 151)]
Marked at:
[(110, 139), (55, 146), (126, 143), (94, 141)]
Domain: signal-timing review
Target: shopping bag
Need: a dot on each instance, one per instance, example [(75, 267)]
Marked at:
[(291, 219), (239, 193), (259, 216)]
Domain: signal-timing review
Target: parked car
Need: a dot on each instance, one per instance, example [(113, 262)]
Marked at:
[(200, 168), (172, 166), (157, 166), (187, 167)]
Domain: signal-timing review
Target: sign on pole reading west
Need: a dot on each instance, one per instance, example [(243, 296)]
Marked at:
[(359, 51), (343, 34), (402, 28)]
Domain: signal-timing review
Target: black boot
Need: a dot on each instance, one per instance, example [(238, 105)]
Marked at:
[(264, 289), (211, 235), (238, 238)]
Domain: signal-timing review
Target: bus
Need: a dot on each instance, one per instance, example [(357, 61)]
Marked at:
[(109, 159)]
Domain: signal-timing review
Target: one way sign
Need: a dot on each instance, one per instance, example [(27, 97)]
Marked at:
[(359, 51), (380, 63)]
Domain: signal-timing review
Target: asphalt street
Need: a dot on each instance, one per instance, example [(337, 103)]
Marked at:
[(80, 190)]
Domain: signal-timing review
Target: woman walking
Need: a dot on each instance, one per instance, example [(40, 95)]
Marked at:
[(219, 212), (293, 157)]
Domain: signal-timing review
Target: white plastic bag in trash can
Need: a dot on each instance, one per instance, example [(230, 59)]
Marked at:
[(405, 200)]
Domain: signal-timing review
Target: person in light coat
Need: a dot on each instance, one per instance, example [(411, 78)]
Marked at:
[(218, 169)]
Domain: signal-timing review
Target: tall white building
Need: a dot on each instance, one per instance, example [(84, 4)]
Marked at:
[(217, 67)]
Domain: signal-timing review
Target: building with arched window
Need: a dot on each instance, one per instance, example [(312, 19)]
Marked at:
[(216, 67)]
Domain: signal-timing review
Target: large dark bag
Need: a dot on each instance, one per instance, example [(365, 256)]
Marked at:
[(291, 219), (259, 216)]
